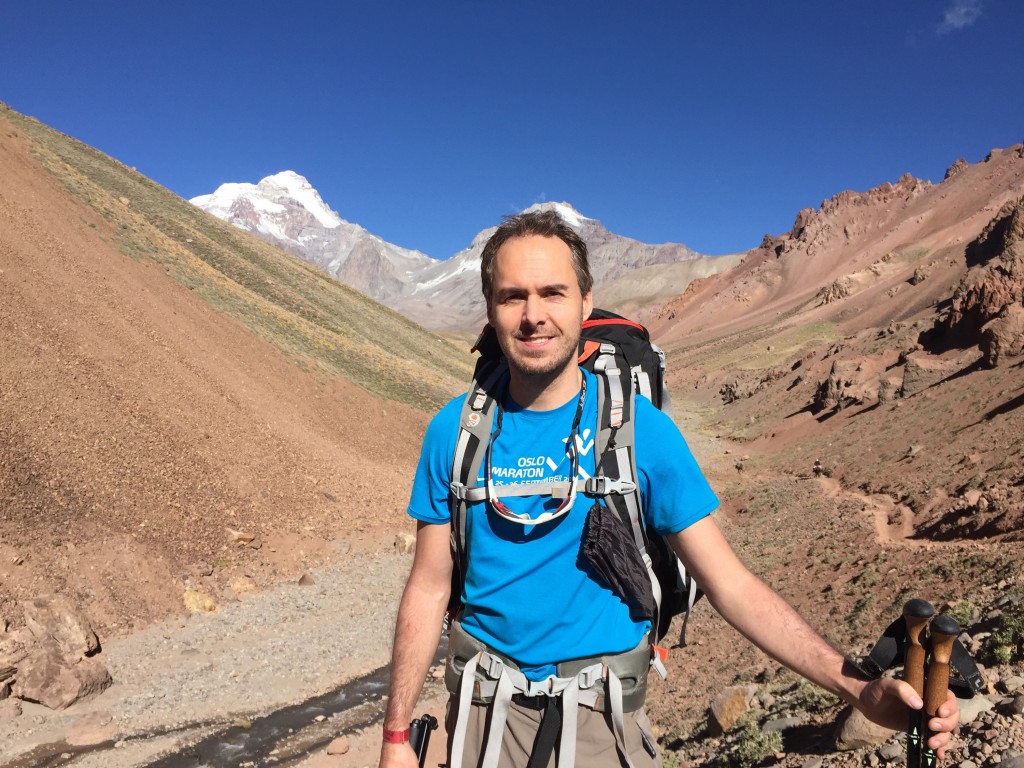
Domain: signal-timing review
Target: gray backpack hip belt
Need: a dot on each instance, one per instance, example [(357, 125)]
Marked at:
[(477, 674)]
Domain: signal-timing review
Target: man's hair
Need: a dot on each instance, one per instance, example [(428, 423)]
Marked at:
[(545, 224)]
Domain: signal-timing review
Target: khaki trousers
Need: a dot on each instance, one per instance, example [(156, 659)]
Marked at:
[(595, 739)]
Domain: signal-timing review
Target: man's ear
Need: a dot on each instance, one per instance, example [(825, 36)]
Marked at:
[(588, 304)]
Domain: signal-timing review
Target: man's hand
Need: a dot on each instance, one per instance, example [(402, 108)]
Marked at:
[(885, 701), (398, 756)]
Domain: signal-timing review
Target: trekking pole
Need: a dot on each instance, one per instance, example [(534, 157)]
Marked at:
[(944, 631), (419, 736), (916, 614)]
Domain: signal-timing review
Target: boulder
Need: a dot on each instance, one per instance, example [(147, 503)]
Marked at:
[(53, 619), (922, 371), (1003, 337), (51, 679), (857, 732)]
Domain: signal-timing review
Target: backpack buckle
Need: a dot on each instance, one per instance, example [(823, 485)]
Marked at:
[(479, 400), (604, 486)]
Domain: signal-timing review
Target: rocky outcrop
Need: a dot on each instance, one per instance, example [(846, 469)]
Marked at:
[(988, 306), (54, 659), (955, 168), (849, 383), (748, 384)]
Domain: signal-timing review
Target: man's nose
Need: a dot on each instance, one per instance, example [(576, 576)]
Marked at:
[(533, 310)]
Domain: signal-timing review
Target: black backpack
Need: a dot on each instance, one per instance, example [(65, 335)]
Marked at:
[(625, 361)]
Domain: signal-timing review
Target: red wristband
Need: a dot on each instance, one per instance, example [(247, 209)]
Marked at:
[(396, 737)]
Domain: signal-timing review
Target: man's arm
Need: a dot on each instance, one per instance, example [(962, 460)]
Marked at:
[(769, 622), (417, 632)]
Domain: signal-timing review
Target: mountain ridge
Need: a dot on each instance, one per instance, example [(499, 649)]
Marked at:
[(439, 294)]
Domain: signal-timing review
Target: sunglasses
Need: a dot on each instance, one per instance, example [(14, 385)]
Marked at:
[(574, 463)]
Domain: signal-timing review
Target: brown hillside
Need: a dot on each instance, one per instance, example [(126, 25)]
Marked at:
[(138, 424)]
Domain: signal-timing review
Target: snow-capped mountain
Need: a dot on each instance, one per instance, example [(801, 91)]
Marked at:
[(286, 210)]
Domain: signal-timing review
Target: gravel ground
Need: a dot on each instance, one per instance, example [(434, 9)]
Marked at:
[(250, 657)]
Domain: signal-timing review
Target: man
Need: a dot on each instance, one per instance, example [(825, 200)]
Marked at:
[(529, 600)]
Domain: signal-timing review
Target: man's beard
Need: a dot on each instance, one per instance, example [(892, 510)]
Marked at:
[(546, 368)]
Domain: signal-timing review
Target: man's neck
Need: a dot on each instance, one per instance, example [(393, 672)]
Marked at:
[(541, 393)]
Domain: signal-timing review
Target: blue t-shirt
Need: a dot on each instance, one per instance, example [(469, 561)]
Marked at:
[(527, 591)]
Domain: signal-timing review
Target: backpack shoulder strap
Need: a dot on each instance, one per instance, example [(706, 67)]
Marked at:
[(475, 422)]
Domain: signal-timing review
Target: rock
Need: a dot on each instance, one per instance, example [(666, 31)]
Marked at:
[(305, 580), (993, 288), (52, 619), (339, 746), (781, 724), (1003, 336), (197, 602), (1013, 762), (405, 543), (9, 709), (971, 708), (1010, 684), (889, 389), (955, 168), (243, 585), (857, 732), (55, 682), (922, 371), (1014, 706), (240, 537), (728, 706), (92, 729), (14, 646), (892, 751)]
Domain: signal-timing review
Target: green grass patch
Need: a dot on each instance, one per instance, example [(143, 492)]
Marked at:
[(314, 320)]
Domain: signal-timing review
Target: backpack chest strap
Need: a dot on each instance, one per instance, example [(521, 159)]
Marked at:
[(595, 486)]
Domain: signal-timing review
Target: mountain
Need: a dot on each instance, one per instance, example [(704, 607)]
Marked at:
[(284, 209)]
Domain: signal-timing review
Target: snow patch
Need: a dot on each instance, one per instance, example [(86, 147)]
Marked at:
[(571, 216), (286, 184)]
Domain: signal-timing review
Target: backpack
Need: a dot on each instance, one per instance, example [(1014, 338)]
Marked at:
[(625, 361)]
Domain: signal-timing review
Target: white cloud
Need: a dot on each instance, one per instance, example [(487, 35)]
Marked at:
[(960, 15)]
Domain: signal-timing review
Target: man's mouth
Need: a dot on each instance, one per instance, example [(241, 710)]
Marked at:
[(534, 342)]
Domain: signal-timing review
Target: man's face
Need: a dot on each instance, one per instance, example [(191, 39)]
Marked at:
[(536, 306)]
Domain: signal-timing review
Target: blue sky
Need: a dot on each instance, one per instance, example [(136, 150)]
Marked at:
[(709, 124)]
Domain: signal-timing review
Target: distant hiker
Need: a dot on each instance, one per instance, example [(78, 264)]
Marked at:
[(817, 468), (544, 650)]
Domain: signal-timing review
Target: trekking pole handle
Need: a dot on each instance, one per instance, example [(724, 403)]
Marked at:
[(916, 614), (419, 736), (944, 631)]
